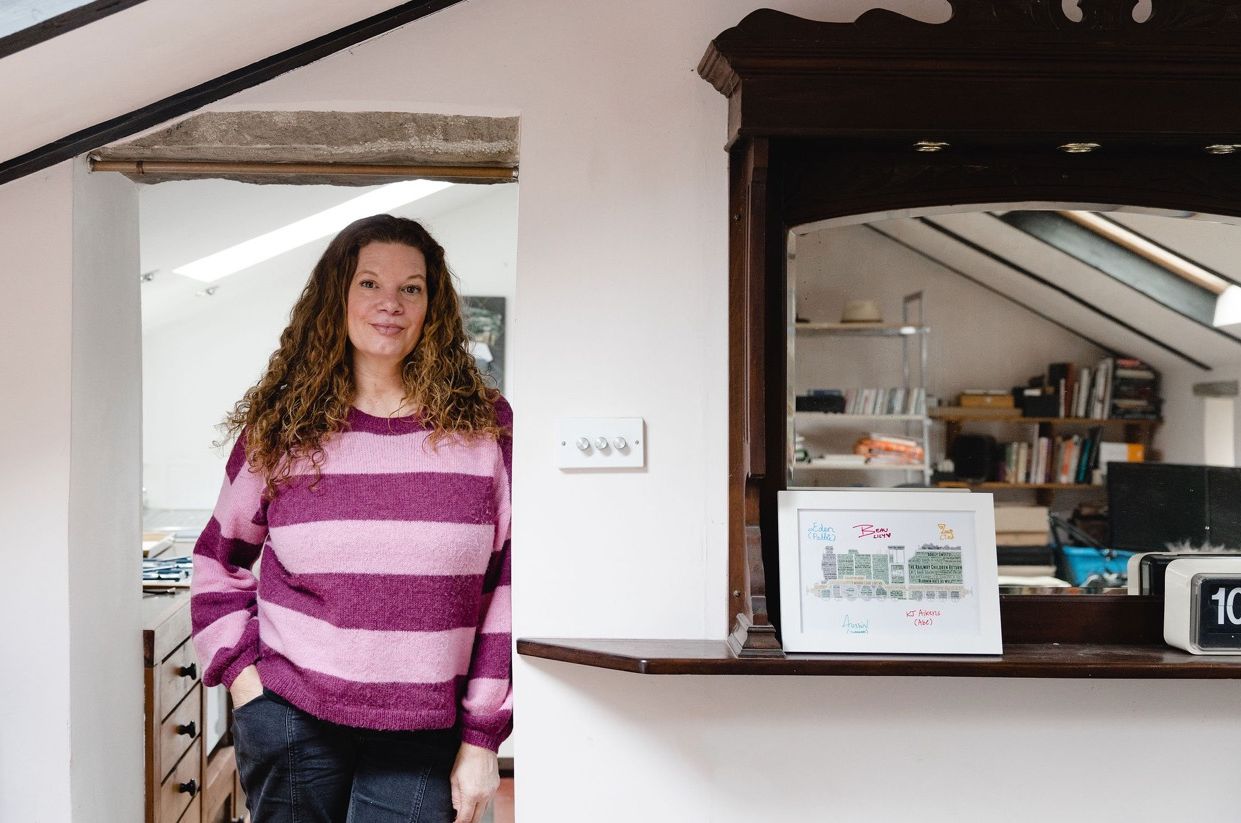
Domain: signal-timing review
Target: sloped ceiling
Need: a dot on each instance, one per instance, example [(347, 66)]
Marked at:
[(1055, 285), (147, 53)]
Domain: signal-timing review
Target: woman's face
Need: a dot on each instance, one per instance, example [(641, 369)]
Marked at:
[(387, 303)]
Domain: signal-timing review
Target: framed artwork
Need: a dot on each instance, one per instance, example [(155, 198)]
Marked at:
[(894, 571), (484, 325)]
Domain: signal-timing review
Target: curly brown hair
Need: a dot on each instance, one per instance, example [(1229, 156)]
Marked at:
[(305, 394)]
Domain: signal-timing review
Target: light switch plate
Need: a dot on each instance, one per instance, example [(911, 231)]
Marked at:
[(569, 430)]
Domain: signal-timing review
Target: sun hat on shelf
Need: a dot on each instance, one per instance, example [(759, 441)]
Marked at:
[(861, 311)]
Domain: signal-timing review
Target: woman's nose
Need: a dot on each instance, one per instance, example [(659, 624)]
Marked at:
[(388, 301)]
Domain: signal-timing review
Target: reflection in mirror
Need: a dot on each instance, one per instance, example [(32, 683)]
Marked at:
[(1020, 350)]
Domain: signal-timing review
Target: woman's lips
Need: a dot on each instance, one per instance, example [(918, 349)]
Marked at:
[(387, 330)]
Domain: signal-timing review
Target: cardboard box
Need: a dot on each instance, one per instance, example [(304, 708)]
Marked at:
[(986, 401), (1022, 538), (1021, 519)]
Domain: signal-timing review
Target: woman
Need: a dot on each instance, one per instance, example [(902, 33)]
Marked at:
[(369, 661)]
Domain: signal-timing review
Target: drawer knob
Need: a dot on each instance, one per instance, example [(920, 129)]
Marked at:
[(188, 671), (189, 787), (188, 729)]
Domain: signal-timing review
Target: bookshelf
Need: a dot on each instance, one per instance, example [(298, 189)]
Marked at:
[(955, 418), (818, 428), (961, 414)]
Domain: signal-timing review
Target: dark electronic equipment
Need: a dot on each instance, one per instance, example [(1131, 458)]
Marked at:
[(973, 456), (1155, 504), (831, 403), (1041, 405)]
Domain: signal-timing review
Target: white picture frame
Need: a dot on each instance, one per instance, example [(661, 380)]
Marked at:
[(897, 571)]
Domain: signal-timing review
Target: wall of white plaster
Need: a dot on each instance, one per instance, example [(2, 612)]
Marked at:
[(105, 653), (71, 690), (36, 289)]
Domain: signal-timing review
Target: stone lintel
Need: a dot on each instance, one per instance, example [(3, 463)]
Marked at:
[(368, 137)]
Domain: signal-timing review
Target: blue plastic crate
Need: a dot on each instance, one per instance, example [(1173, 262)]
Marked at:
[(1084, 562)]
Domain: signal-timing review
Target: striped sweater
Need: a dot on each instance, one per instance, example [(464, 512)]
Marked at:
[(383, 596)]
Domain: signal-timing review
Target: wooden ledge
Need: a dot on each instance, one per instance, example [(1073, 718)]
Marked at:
[(1019, 660)]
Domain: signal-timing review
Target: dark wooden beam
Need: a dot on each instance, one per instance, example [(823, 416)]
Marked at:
[(83, 15), (223, 86)]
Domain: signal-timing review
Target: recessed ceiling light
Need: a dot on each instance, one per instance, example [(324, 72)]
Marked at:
[(308, 229), (1079, 148)]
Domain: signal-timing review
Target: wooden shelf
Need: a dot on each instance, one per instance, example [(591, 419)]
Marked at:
[(959, 414), (993, 484), (868, 467), (863, 329), (1055, 660), (826, 417)]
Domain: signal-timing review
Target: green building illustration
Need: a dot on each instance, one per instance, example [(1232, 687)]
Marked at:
[(934, 572), (936, 564)]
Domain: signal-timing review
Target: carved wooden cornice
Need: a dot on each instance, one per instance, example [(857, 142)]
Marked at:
[(1183, 59)]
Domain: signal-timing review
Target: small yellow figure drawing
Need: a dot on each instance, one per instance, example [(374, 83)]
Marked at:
[(945, 533)]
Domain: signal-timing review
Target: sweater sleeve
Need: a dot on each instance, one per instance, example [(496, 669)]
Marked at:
[(223, 590), (487, 709)]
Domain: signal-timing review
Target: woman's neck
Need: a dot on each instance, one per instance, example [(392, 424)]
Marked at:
[(379, 390)]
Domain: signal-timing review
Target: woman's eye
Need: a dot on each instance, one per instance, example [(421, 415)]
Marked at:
[(413, 289), (366, 284)]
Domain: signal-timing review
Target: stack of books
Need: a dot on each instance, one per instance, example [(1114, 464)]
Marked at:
[(1065, 459), (1135, 391), (889, 448), (1021, 541), (1117, 387), (880, 401)]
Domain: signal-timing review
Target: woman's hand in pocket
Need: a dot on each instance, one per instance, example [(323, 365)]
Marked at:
[(245, 687)]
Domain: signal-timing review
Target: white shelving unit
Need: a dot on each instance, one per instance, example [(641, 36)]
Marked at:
[(912, 335)]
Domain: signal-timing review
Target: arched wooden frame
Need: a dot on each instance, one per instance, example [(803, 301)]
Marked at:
[(824, 121)]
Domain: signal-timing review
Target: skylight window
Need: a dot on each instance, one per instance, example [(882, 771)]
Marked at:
[(323, 224), (1153, 252), (1168, 278)]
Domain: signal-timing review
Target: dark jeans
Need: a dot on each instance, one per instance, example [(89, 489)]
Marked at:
[(296, 768)]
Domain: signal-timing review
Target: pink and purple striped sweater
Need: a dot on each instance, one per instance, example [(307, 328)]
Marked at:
[(383, 594)]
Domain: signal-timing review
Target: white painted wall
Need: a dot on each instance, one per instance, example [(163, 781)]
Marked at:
[(36, 292), (622, 261), (71, 682), (105, 651), (197, 364)]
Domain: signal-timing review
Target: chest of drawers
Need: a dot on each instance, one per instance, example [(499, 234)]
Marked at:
[(184, 782)]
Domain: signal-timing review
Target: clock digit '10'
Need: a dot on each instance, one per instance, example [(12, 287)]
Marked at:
[(1226, 606)]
